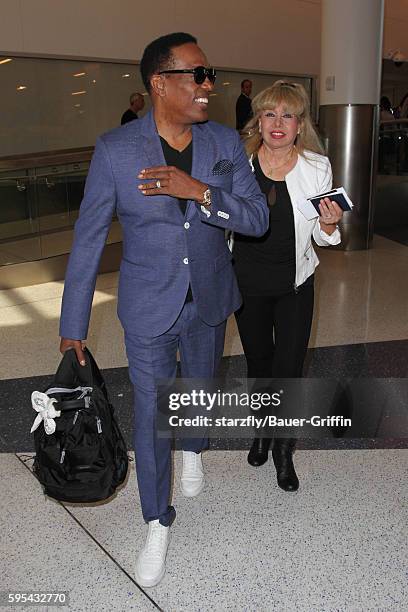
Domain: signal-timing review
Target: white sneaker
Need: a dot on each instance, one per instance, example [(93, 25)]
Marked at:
[(151, 561), (192, 478)]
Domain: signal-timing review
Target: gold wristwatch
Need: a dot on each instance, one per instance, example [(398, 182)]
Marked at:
[(206, 201)]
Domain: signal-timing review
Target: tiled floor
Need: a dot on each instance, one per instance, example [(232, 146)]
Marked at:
[(338, 544), (45, 550), (361, 297)]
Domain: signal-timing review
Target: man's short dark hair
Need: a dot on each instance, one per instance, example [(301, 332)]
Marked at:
[(245, 81), (158, 54)]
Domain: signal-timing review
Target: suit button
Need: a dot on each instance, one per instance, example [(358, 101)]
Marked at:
[(185, 260), (186, 225)]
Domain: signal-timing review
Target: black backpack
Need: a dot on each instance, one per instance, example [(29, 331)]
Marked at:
[(83, 458)]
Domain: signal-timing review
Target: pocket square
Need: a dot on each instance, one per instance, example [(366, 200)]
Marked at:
[(224, 166)]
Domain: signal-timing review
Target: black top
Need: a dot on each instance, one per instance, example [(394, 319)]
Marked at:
[(183, 160), (267, 265), (127, 116), (243, 110)]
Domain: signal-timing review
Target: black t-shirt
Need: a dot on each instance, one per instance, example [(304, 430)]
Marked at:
[(267, 265), (127, 116), (183, 160)]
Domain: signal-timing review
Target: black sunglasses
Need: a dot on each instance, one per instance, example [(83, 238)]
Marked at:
[(200, 73)]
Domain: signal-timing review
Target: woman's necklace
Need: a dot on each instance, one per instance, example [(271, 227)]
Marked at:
[(272, 169)]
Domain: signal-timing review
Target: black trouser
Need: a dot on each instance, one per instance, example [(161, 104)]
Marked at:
[(275, 332)]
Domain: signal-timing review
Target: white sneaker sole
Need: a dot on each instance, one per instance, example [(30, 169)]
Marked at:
[(152, 581), (195, 493)]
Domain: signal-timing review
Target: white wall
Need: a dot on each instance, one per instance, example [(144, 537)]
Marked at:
[(266, 35), (396, 27), (269, 35)]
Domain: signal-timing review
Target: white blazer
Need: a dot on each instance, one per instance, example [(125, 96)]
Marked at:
[(311, 175)]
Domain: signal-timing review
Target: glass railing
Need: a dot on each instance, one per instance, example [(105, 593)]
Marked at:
[(87, 98), (39, 202), (40, 195)]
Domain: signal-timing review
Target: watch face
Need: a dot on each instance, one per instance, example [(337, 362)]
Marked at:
[(207, 196)]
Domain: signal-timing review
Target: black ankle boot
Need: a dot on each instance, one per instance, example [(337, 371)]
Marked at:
[(282, 457), (258, 454)]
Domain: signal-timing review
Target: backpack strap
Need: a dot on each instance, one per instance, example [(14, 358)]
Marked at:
[(78, 404)]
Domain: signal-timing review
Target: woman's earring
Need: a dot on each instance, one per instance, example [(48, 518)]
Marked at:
[(259, 127)]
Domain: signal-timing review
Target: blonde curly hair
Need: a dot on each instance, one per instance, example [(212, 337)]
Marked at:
[(295, 100)]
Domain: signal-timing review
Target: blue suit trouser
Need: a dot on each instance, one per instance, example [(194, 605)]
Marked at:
[(153, 358)]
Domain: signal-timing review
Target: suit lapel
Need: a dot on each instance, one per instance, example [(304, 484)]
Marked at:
[(151, 146), (201, 147), (151, 154), (200, 168)]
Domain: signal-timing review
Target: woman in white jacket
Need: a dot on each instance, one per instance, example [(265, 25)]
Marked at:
[(276, 272)]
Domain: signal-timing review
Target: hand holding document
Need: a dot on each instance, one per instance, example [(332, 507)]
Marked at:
[(309, 207)]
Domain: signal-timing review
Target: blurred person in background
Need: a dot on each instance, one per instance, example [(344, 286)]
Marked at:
[(404, 107), (243, 108), (385, 109), (136, 104)]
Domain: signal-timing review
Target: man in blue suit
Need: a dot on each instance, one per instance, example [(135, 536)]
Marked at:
[(176, 183)]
